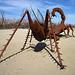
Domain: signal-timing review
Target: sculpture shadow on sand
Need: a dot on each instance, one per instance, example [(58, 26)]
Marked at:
[(39, 47)]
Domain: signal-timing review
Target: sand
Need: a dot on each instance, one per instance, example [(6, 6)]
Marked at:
[(36, 59)]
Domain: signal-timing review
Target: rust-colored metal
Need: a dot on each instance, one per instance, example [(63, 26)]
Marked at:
[(61, 27), (12, 35), (40, 33), (41, 15)]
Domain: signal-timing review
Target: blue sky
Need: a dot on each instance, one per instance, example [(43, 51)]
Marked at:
[(13, 8)]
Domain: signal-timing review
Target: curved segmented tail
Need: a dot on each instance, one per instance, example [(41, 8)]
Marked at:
[(61, 13)]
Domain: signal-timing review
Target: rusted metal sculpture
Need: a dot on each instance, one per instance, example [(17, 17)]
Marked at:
[(61, 27), (40, 33)]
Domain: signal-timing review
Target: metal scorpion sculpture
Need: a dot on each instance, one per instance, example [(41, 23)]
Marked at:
[(40, 32), (61, 27)]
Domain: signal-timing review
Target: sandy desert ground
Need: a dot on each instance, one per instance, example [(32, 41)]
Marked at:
[(36, 59)]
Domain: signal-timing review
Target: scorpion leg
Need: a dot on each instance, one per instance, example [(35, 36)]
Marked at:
[(69, 26), (67, 30), (64, 31)]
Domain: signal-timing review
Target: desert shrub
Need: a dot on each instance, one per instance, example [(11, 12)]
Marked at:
[(22, 25), (13, 25)]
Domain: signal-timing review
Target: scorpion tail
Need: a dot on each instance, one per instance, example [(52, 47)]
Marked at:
[(61, 13)]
